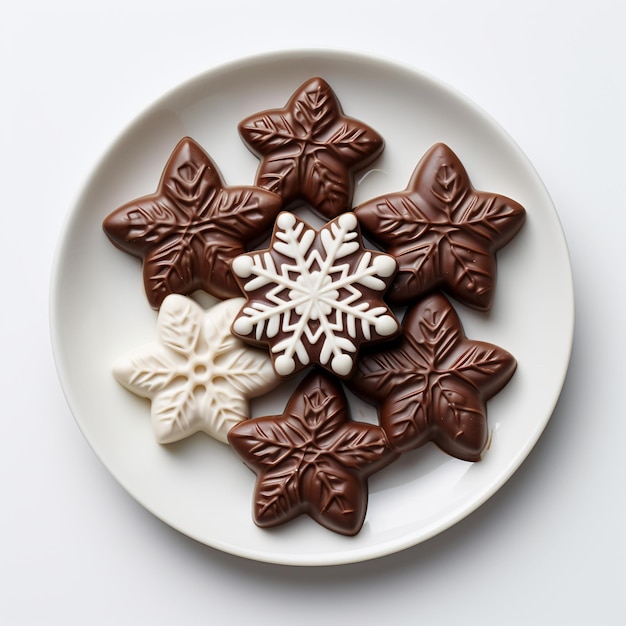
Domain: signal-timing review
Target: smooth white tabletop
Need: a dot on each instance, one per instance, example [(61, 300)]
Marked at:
[(548, 548)]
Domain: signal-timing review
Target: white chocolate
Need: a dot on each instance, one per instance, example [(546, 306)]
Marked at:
[(198, 376)]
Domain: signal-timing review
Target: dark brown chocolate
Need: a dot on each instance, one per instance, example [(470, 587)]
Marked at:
[(192, 227), (433, 384), (443, 233), (310, 150), (314, 296), (312, 459)]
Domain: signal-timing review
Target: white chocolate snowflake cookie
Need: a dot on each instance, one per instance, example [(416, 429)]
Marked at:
[(198, 376), (315, 296)]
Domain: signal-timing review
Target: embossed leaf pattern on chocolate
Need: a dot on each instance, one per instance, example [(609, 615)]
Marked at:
[(443, 233), (192, 227), (312, 459), (315, 297), (434, 383), (196, 374), (310, 150)]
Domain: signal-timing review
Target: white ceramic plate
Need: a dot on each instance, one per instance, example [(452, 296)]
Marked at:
[(99, 311)]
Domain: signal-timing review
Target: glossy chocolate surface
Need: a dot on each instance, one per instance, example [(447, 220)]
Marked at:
[(315, 296), (434, 382), (192, 227), (310, 150), (443, 233), (312, 459)]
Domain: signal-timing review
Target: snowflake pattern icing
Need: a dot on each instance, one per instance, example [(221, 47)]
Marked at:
[(315, 296)]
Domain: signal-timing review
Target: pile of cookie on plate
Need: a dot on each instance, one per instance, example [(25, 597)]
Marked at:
[(320, 304)]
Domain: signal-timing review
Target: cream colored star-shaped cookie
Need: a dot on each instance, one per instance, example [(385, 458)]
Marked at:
[(197, 375)]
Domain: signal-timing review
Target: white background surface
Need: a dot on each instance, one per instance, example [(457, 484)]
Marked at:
[(548, 548)]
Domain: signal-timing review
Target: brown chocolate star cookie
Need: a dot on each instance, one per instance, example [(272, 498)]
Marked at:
[(310, 150), (192, 227), (312, 459), (433, 384), (443, 233)]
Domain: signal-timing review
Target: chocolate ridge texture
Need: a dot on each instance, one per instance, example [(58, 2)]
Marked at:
[(316, 298), (310, 150), (443, 232), (313, 459), (433, 383), (189, 230)]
